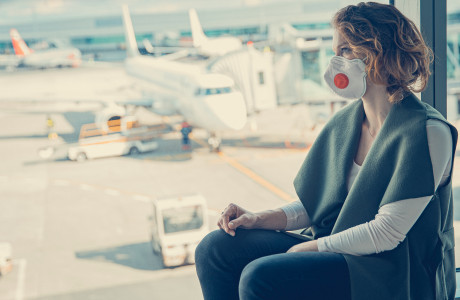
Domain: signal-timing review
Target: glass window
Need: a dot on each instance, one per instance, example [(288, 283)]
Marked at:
[(182, 219)]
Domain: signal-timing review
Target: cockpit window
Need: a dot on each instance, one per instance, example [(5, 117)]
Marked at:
[(213, 91)]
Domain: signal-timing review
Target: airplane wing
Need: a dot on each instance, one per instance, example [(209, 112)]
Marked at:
[(101, 85), (176, 55)]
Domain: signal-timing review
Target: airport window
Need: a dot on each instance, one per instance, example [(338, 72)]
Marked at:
[(78, 201), (453, 18), (311, 67), (307, 26)]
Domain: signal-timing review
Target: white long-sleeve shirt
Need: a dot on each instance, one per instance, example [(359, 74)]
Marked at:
[(393, 221)]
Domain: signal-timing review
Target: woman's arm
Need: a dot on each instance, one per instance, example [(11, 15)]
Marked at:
[(385, 232), (393, 220), (235, 216), (297, 216)]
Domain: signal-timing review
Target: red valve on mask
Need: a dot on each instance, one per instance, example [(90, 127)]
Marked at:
[(341, 81)]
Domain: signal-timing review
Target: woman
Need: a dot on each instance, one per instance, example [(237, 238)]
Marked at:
[(375, 193)]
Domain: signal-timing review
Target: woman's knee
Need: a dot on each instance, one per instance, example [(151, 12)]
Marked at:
[(212, 246), (256, 280)]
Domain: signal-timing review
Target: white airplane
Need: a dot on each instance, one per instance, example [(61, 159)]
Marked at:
[(205, 100), (285, 33), (47, 58), (211, 46), (9, 61)]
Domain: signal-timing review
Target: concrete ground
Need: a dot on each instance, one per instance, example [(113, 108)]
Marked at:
[(81, 231)]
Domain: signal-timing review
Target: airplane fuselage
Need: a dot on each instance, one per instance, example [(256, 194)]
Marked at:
[(219, 46), (206, 100), (53, 58)]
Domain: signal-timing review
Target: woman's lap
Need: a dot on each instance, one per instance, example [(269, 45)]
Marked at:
[(301, 275), (259, 257)]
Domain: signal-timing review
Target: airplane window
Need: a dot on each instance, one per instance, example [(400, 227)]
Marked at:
[(217, 91)]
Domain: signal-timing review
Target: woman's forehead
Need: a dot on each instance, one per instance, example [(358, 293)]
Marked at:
[(337, 40)]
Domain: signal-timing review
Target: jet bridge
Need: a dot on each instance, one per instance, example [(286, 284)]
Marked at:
[(252, 71)]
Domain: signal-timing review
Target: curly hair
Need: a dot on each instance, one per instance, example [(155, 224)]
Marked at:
[(389, 43)]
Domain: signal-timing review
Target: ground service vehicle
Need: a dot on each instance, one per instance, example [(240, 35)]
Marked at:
[(121, 137), (177, 226)]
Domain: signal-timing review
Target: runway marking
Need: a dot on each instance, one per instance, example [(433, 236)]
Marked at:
[(234, 163), (108, 190), (138, 197), (21, 278), (277, 191), (112, 192), (86, 187)]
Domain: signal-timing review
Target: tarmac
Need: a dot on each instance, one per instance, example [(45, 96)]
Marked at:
[(81, 230)]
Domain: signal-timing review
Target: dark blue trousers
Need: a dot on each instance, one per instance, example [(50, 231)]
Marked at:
[(254, 265)]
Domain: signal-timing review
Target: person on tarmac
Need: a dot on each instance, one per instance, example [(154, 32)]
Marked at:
[(374, 214), (186, 129)]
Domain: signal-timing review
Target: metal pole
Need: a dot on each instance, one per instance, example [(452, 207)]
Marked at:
[(433, 24)]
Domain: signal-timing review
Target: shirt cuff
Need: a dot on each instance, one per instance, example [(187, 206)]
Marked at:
[(322, 246)]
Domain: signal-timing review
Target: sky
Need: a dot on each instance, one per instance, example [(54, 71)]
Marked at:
[(28, 8), (13, 11)]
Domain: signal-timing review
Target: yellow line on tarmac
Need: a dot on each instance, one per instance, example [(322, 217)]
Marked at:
[(277, 191), (234, 163)]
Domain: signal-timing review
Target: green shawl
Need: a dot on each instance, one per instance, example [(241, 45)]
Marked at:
[(398, 166)]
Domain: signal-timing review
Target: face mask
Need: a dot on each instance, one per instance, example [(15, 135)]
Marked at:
[(346, 77)]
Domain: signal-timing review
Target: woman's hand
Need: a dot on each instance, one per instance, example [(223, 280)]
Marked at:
[(310, 246), (235, 216)]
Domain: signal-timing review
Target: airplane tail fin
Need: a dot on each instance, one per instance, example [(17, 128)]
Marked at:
[(130, 38), (20, 47), (197, 31)]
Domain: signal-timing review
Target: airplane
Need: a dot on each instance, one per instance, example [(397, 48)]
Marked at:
[(8, 61), (206, 100), (46, 58), (211, 46)]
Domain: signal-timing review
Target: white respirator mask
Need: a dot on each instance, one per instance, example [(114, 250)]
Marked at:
[(346, 77)]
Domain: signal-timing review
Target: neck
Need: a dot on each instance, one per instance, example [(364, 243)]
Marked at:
[(376, 107)]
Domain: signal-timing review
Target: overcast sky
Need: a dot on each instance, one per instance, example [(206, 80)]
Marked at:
[(28, 8), (13, 11)]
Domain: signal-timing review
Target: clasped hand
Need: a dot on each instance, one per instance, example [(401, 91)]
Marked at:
[(235, 216)]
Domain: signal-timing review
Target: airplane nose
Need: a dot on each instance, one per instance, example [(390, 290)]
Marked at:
[(230, 109)]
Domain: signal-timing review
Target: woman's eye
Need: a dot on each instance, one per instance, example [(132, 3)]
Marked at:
[(345, 50)]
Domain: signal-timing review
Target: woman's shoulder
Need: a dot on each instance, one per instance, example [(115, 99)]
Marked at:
[(439, 129)]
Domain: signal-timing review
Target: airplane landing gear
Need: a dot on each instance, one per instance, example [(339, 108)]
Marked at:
[(214, 143)]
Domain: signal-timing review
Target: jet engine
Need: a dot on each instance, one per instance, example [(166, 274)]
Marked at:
[(106, 118)]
